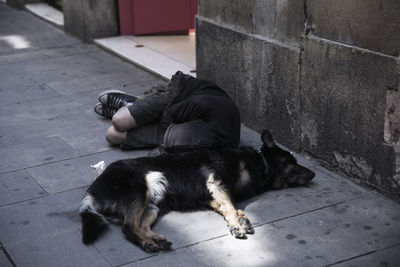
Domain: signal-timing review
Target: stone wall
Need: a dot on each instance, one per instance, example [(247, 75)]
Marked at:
[(91, 19), (20, 4), (323, 76)]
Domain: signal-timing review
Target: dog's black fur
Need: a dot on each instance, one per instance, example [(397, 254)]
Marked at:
[(135, 189)]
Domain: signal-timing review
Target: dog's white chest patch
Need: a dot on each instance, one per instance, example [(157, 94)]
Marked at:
[(157, 185), (87, 203)]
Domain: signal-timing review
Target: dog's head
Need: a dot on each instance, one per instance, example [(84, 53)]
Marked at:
[(282, 166)]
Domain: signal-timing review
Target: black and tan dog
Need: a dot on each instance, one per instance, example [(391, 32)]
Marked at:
[(134, 190)]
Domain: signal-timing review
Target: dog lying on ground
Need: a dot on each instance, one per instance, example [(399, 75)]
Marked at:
[(134, 190)]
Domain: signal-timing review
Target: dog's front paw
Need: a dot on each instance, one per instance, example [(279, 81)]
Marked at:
[(245, 222), (246, 225), (238, 232)]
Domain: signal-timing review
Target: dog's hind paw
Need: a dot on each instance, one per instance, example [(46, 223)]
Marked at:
[(246, 225), (150, 247), (238, 232), (163, 244)]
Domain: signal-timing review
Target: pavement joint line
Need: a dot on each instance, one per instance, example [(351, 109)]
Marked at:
[(98, 251), (37, 182), (299, 214), (10, 259), (352, 258), (60, 231), (25, 200), (66, 142), (106, 88), (142, 259), (172, 250), (31, 100), (33, 166), (56, 161), (46, 57), (46, 84), (175, 249), (71, 189)]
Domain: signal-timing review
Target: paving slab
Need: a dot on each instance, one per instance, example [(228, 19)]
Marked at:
[(84, 133), (181, 228), (87, 141), (14, 80), (51, 87), (13, 134), (32, 219), (63, 248), (83, 102), (77, 49), (23, 27), (31, 92), (299, 241), (95, 82), (83, 64), (25, 155), (179, 258), (376, 220), (73, 173), (4, 262), (18, 186), (113, 246), (18, 114), (20, 57), (53, 108), (278, 204), (387, 257)]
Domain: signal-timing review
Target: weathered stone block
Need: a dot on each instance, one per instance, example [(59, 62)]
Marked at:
[(18, 4), (90, 19), (215, 62), (279, 19), (343, 93), (289, 21), (237, 13), (271, 100), (261, 76), (368, 24)]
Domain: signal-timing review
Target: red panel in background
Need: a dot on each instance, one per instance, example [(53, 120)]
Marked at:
[(125, 17), (156, 16), (192, 12)]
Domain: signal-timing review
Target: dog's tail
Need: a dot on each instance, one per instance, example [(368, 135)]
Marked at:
[(93, 223)]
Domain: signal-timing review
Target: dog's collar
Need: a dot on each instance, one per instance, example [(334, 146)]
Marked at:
[(263, 159)]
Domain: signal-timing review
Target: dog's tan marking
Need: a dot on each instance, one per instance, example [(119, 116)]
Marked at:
[(133, 221), (222, 203), (148, 218), (139, 219)]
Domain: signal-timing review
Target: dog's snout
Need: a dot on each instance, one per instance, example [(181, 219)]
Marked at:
[(301, 176)]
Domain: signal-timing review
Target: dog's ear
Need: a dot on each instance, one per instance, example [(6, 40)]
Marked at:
[(266, 138)]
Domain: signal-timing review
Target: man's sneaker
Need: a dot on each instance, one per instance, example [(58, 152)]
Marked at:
[(104, 110), (116, 98)]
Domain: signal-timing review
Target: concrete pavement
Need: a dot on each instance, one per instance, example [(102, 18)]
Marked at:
[(49, 137)]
